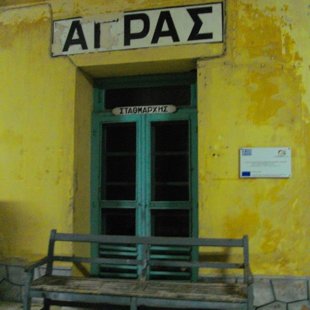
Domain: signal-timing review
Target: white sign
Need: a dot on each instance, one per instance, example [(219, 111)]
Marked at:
[(139, 29), (151, 109), (265, 162)]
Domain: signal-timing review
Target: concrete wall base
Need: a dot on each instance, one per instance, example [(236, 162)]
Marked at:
[(12, 278)]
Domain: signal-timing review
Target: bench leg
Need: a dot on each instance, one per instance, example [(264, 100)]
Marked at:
[(26, 303), (133, 303), (26, 294), (250, 297), (46, 304), (26, 299)]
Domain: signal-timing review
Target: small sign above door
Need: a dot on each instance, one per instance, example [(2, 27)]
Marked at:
[(151, 109), (139, 29)]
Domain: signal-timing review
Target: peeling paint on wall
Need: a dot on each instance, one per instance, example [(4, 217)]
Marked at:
[(256, 96)]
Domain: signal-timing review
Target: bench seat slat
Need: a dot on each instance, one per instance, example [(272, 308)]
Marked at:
[(149, 289), (111, 261), (109, 239), (175, 274), (214, 265), (153, 262)]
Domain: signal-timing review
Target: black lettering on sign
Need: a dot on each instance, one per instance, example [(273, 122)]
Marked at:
[(194, 13), (80, 40), (144, 109), (163, 109), (165, 17), (97, 33), (128, 35)]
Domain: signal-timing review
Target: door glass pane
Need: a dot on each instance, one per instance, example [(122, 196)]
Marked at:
[(170, 223), (118, 222), (118, 161), (178, 95), (170, 161)]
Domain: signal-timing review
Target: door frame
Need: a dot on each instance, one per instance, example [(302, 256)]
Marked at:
[(100, 113)]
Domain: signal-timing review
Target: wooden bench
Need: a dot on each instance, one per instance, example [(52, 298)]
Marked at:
[(93, 291)]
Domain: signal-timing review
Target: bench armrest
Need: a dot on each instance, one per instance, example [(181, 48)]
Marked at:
[(40, 262)]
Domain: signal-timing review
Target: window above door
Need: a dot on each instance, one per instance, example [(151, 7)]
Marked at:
[(149, 90)]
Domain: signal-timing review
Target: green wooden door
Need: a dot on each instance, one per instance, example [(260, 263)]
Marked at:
[(144, 168)]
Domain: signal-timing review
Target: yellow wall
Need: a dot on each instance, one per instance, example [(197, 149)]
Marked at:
[(252, 91), (36, 134), (257, 96)]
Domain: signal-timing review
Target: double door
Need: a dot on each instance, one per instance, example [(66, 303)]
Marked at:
[(144, 178)]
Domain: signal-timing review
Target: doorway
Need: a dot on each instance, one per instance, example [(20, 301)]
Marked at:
[(144, 167)]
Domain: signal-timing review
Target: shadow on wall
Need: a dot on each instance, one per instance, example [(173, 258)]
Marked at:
[(15, 224), (11, 269), (224, 255)]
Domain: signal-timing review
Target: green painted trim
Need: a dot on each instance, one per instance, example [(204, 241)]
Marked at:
[(194, 95), (117, 204), (143, 203), (95, 168), (98, 100), (171, 205), (194, 180)]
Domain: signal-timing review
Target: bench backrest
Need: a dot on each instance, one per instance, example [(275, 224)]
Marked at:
[(144, 260)]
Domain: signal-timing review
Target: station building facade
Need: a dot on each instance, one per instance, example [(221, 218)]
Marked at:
[(168, 118)]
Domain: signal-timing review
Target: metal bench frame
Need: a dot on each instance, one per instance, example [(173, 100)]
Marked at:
[(70, 298)]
